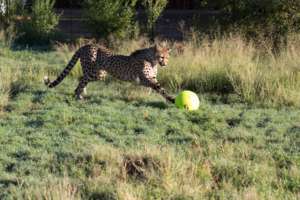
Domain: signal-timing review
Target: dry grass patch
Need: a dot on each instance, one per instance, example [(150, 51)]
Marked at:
[(53, 189), (140, 167)]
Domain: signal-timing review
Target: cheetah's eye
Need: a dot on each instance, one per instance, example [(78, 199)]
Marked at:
[(162, 57)]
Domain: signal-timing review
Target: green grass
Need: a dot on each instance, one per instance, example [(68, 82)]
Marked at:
[(123, 143)]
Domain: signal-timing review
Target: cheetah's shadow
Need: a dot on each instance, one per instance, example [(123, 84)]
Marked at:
[(154, 104)]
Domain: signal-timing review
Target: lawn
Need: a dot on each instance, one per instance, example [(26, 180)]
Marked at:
[(123, 142)]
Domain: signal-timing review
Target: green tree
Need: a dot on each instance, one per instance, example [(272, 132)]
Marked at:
[(110, 17), (40, 26), (153, 10), (8, 10), (265, 18)]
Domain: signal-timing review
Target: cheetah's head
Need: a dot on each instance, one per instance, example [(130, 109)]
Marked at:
[(162, 55)]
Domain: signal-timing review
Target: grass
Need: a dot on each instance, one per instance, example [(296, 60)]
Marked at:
[(231, 65), (124, 143)]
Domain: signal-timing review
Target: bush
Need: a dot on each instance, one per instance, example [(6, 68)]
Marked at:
[(110, 17), (153, 10), (272, 19), (8, 10), (39, 27)]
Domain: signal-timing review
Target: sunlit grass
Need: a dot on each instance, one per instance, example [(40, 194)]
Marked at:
[(231, 65)]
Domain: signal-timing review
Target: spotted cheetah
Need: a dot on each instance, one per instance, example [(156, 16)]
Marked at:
[(140, 66)]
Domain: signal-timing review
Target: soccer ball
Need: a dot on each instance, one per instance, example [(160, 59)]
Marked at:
[(187, 100)]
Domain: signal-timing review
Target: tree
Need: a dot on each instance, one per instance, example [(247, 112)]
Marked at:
[(110, 17), (40, 25), (153, 11), (8, 10), (267, 18)]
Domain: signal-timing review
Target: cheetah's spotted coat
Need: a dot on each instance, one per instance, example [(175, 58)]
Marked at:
[(96, 61)]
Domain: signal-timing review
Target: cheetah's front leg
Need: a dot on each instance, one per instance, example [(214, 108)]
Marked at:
[(153, 83), (162, 91)]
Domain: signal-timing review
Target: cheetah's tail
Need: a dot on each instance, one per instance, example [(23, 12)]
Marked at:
[(47, 80), (64, 73)]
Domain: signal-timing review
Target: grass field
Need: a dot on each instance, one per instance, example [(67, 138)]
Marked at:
[(124, 143)]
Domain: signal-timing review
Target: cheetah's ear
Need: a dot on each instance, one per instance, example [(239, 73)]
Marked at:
[(157, 47)]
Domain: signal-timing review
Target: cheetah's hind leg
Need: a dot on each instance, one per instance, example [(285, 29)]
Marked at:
[(80, 88)]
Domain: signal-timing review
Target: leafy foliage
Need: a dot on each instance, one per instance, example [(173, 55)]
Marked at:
[(8, 10), (40, 25), (110, 17), (265, 18), (153, 11)]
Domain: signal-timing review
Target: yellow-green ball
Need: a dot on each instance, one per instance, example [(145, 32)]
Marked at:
[(187, 100)]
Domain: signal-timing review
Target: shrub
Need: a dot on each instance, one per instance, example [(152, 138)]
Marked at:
[(9, 9), (153, 11), (272, 19), (40, 26), (110, 17)]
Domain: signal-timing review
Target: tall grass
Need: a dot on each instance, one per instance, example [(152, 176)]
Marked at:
[(52, 188), (232, 65)]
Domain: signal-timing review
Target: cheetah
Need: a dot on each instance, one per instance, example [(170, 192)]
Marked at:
[(141, 67), (89, 55)]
